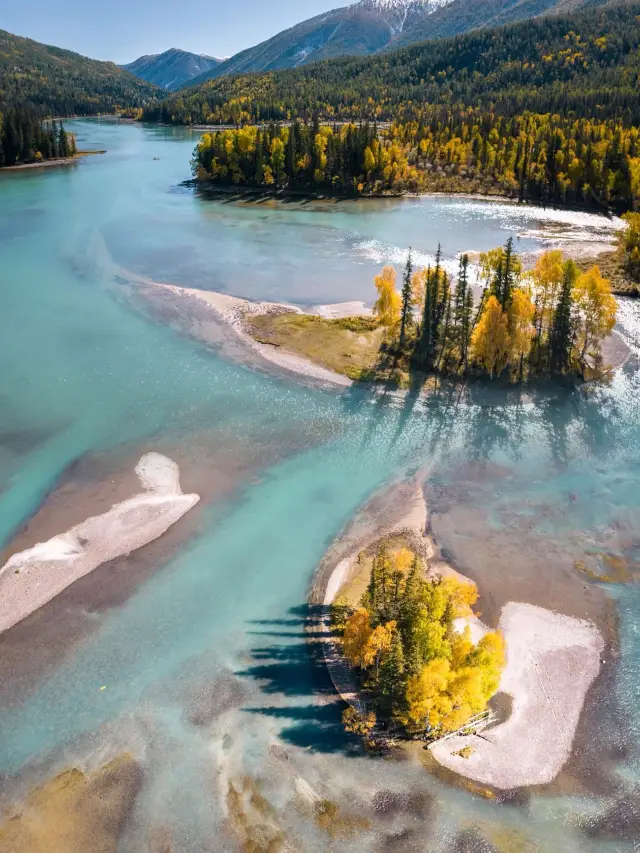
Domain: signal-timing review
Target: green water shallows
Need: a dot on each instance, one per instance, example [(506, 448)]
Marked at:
[(83, 372)]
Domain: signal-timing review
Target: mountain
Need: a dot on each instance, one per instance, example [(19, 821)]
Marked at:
[(60, 82), (371, 26), (586, 63), (172, 69)]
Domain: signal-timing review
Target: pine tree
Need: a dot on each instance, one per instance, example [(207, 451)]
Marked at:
[(407, 295), (562, 335)]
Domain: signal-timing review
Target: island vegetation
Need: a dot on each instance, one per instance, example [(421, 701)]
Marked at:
[(526, 324), (410, 644), (25, 138)]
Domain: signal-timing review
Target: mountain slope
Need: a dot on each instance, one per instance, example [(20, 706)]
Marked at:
[(172, 69), (372, 26), (60, 82), (587, 63), (364, 28)]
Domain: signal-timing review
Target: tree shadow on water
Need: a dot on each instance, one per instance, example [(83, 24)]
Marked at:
[(293, 674)]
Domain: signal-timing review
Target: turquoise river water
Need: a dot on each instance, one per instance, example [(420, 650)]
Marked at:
[(207, 674)]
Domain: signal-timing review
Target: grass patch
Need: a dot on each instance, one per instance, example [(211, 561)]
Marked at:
[(352, 346)]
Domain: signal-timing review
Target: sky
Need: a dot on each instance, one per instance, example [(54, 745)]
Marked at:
[(122, 30)]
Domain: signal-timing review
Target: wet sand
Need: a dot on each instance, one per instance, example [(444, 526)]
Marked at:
[(75, 812)]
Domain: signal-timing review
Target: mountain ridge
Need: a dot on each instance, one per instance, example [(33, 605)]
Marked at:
[(172, 69), (370, 27)]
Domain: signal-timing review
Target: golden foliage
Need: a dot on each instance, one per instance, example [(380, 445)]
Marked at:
[(389, 302), (356, 636), (490, 341)]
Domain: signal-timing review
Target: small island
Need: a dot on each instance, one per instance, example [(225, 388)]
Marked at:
[(496, 698), (516, 324), (420, 653)]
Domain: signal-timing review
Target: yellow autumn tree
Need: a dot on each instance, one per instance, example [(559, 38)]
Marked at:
[(490, 341), (389, 302), (356, 636), (597, 306), (546, 279), (521, 331), (418, 287), (378, 643), (424, 692)]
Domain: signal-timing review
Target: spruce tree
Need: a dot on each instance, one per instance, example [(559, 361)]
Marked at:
[(392, 676), (562, 333), (406, 301)]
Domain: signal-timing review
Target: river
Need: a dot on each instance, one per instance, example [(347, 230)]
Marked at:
[(199, 666)]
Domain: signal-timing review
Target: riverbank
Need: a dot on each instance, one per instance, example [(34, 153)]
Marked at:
[(58, 161), (552, 659)]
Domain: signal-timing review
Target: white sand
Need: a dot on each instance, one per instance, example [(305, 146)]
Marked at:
[(31, 578), (552, 660)]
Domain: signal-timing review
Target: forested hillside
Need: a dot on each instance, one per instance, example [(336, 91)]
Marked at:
[(60, 82), (587, 64)]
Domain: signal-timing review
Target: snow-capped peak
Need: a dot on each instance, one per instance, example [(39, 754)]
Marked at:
[(396, 12), (402, 5)]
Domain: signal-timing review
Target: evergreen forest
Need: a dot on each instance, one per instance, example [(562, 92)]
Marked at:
[(25, 138)]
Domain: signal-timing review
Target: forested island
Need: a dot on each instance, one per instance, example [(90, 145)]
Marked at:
[(533, 157), (549, 321), (26, 139), (410, 643)]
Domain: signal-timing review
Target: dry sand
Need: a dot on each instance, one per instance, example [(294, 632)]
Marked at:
[(31, 578), (552, 660)]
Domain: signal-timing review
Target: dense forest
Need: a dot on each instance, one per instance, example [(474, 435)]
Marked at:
[(583, 66), (420, 672), (532, 157), (59, 82), (25, 138)]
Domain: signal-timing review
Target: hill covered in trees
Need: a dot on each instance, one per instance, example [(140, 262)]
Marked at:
[(59, 82), (586, 64)]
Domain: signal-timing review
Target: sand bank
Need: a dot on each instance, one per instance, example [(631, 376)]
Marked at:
[(552, 660), (31, 578), (235, 312)]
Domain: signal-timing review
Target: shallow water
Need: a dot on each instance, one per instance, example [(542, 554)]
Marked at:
[(207, 675)]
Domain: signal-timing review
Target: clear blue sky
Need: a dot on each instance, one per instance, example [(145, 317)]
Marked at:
[(122, 30)]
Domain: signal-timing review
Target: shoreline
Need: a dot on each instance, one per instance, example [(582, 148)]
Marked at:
[(58, 161), (326, 195), (553, 660)]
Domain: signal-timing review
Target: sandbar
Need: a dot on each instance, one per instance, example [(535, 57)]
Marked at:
[(31, 578)]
